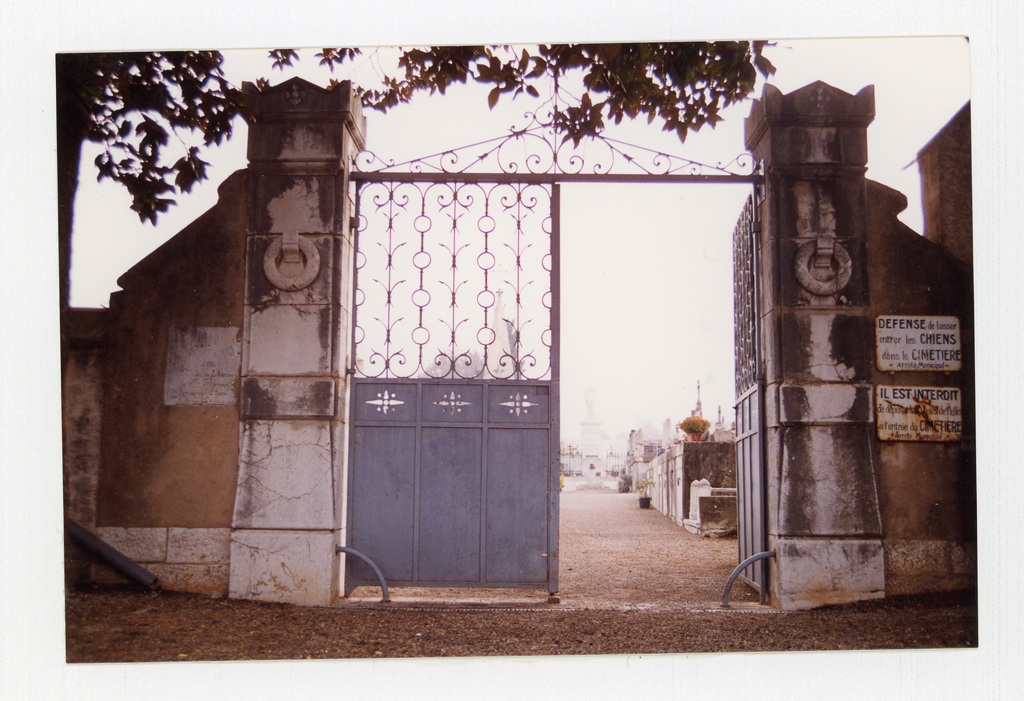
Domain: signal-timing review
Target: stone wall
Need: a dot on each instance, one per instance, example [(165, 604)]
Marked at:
[(206, 420), (82, 413), (945, 165), (927, 490), (193, 560), (155, 434), (170, 410)]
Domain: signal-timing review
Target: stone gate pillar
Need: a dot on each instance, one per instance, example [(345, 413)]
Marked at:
[(823, 513), (289, 505)]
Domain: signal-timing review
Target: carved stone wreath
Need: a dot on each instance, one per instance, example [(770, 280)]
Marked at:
[(823, 288), (305, 278)]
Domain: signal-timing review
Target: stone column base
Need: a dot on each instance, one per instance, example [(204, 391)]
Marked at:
[(811, 572), (291, 567)]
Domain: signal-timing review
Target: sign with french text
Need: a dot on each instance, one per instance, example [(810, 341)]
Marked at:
[(917, 343), (918, 413)]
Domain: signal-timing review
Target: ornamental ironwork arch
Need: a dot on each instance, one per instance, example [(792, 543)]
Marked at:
[(459, 278), (539, 152)]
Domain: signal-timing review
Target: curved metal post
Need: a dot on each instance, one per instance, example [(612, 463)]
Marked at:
[(736, 573), (380, 576)]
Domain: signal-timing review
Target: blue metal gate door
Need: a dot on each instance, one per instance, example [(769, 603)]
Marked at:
[(453, 478), (750, 461)]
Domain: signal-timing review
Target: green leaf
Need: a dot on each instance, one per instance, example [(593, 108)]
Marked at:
[(492, 98)]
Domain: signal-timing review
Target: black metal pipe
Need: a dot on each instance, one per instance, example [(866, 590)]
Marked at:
[(736, 573), (380, 576), (80, 536)]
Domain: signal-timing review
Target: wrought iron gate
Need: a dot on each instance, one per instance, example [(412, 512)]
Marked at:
[(750, 461), (454, 478), (454, 465)]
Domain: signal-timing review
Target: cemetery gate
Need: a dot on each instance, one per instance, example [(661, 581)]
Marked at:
[(454, 469), (750, 473), (455, 396)]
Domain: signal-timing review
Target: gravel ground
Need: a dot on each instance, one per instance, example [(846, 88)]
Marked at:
[(631, 582)]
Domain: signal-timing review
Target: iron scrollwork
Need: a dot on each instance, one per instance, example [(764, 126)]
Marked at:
[(744, 294), (454, 249), (539, 149), (459, 277)]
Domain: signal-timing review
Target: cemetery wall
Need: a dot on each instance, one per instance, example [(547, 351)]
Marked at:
[(926, 487), (945, 165), (151, 407), (82, 411), (170, 416)]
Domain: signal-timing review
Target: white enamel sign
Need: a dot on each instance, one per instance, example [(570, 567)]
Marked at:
[(917, 343), (918, 413)]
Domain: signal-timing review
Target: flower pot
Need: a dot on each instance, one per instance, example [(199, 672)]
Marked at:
[(645, 502), (694, 437)]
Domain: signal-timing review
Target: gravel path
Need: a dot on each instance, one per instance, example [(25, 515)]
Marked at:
[(617, 555), (614, 555)]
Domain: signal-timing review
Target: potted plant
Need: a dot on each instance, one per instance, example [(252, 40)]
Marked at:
[(643, 491), (694, 427)]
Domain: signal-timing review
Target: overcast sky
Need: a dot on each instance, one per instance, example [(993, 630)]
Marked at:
[(646, 270)]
